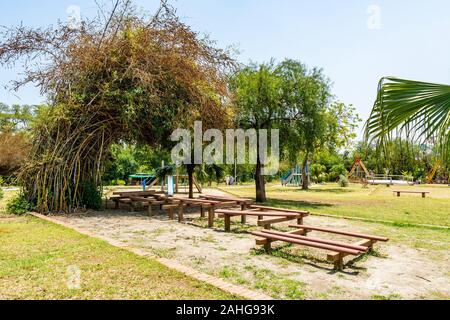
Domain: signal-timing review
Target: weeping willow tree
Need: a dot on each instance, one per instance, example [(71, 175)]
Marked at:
[(118, 77), (416, 111)]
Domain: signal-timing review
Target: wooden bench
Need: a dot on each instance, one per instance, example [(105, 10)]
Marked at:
[(424, 193), (273, 216), (338, 249)]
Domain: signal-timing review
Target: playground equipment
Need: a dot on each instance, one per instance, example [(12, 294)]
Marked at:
[(181, 181), (390, 180), (148, 181), (294, 177), (360, 174), (141, 179)]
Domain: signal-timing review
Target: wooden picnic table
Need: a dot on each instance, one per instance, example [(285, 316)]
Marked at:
[(122, 196), (399, 192), (241, 201), (244, 203), (210, 205)]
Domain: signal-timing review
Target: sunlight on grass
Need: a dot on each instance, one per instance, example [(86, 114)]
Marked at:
[(375, 202), (35, 257)]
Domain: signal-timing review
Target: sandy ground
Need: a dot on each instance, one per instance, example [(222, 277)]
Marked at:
[(394, 271)]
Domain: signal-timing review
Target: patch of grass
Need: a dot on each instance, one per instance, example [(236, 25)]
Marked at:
[(375, 202), (35, 257), (278, 286), (387, 297)]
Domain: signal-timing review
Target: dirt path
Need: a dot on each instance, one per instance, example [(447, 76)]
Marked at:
[(395, 271)]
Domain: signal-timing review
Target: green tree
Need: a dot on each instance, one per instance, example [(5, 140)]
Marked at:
[(120, 77), (258, 102), (306, 95)]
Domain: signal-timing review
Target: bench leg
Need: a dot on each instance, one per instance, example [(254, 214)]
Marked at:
[(423, 195), (171, 213), (180, 214), (267, 226), (243, 219), (268, 246), (211, 216), (339, 263), (300, 221), (132, 209), (116, 205), (227, 223), (260, 218), (149, 210), (398, 194), (243, 207), (202, 212)]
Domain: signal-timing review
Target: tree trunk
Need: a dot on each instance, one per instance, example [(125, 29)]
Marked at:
[(305, 180), (260, 182), (190, 171)]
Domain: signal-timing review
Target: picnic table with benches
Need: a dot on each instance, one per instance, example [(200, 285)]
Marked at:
[(124, 196), (338, 249), (209, 205), (266, 215), (398, 192)]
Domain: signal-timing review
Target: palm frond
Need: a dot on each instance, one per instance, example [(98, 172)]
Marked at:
[(418, 111)]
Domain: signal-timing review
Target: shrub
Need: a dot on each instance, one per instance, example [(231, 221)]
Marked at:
[(343, 181), (91, 196), (19, 205), (118, 182), (336, 171)]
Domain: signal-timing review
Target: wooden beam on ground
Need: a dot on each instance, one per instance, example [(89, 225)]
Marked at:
[(318, 240), (307, 243), (266, 223), (305, 213), (263, 241), (257, 213), (344, 233)]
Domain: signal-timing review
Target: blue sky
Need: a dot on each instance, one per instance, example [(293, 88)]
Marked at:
[(352, 43)]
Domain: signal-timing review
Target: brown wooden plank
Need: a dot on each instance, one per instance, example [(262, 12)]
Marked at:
[(226, 197), (406, 191), (319, 240), (279, 209), (258, 213), (262, 241), (344, 233), (265, 222), (307, 243)]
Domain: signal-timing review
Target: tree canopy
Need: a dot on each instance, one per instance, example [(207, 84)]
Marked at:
[(119, 76)]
